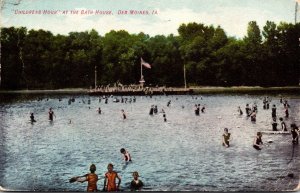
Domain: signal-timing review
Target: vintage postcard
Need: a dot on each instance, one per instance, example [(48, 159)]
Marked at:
[(150, 95)]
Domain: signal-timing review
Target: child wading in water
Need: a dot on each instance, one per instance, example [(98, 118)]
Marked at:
[(258, 141), (136, 184), (91, 178), (226, 138), (110, 179)]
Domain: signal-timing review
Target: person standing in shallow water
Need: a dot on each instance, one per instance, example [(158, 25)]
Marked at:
[(32, 118), (124, 115), (226, 137), (91, 178), (51, 114), (136, 184), (274, 111), (110, 179), (283, 125), (257, 144)]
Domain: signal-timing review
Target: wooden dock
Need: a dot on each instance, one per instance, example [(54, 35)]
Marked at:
[(139, 92)]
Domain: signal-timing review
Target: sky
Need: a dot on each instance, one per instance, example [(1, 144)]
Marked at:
[(232, 15)]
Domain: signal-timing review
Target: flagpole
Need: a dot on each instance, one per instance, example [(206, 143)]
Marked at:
[(184, 76), (296, 10)]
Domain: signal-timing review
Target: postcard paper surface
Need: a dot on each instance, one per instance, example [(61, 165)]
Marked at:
[(144, 95)]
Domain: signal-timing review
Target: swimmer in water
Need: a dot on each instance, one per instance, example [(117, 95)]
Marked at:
[(165, 117), (197, 110), (51, 114), (283, 125), (123, 113), (91, 178), (257, 144), (226, 138), (127, 157), (169, 102), (110, 179), (136, 184), (32, 118), (99, 110), (203, 109)]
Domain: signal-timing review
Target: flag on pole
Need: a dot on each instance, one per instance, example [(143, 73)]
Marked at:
[(147, 65)]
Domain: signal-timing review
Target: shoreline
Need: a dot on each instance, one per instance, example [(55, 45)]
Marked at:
[(195, 89)]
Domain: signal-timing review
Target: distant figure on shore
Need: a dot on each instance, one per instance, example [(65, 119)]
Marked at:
[(280, 100), (110, 179), (99, 110), (295, 133), (127, 157), (91, 178), (226, 138), (123, 113), (283, 125), (51, 114), (274, 125), (240, 110), (274, 111), (136, 184), (257, 144)]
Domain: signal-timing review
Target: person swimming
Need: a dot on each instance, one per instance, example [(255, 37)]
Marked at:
[(257, 144), (99, 110), (51, 114), (136, 184), (91, 178), (226, 138), (127, 157), (165, 117), (283, 125), (110, 179), (32, 118)]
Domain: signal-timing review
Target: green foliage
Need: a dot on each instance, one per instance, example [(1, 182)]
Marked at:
[(38, 59)]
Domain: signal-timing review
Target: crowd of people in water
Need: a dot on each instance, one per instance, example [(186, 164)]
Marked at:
[(112, 179)]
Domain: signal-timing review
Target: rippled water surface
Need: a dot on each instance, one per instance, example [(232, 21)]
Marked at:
[(185, 153)]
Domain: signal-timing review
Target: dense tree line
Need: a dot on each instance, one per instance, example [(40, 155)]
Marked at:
[(38, 59)]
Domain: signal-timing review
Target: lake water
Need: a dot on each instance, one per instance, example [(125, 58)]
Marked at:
[(184, 153)]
